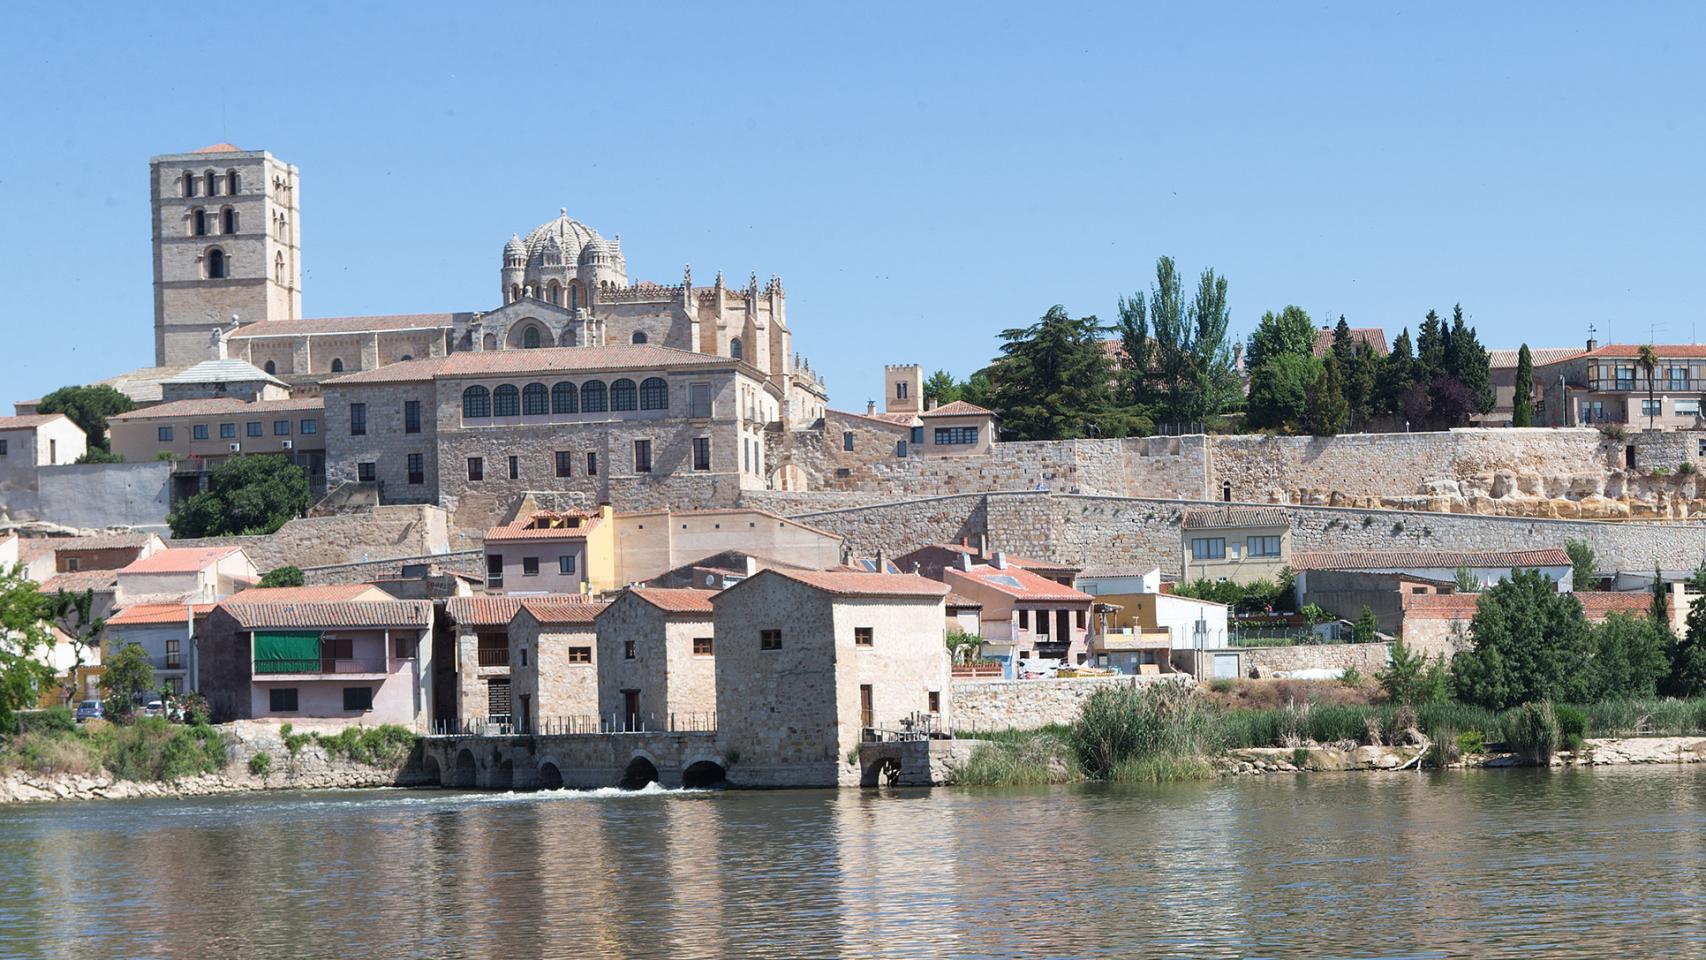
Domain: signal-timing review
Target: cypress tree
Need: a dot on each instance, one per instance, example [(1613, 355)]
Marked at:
[(1326, 410), (1522, 405)]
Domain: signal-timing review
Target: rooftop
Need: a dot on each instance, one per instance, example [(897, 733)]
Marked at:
[(228, 370), (1373, 336), (180, 560), (482, 611), (1630, 351), (850, 583), (1426, 559), (1015, 582), (545, 525), (1596, 604), (1507, 359), (544, 360), (672, 600), (959, 408), (313, 593), (216, 406), (30, 421), (143, 614), (353, 613), (563, 610), (79, 581), (335, 325), (1209, 518), (219, 148)]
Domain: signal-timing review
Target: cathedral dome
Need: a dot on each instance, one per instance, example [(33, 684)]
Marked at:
[(594, 252), (514, 248), (571, 235)]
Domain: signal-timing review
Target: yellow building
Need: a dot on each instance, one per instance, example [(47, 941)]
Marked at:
[(1240, 544)]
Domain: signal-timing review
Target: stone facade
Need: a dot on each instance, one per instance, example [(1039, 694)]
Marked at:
[(672, 673), (984, 705), (1367, 658), (392, 531), (553, 670)]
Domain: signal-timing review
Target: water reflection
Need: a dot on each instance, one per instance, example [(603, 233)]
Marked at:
[(1476, 863)]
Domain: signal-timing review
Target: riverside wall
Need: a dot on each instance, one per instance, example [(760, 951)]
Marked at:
[(981, 705)]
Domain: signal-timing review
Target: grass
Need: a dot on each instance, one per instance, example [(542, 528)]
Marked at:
[(376, 746), (151, 749), (1033, 758)]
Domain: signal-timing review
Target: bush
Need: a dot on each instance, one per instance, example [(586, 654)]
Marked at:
[(1032, 759), (51, 720), (50, 752), (260, 764), (375, 746), (1532, 731), (293, 742), (1572, 727), (152, 749), (1471, 743), (283, 577), (1351, 677), (1120, 724)]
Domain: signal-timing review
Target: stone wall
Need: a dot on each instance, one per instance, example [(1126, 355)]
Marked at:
[(402, 530), (467, 562), (102, 495), (1367, 658), (981, 705)]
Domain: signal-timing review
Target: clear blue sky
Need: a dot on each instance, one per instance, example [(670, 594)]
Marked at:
[(920, 175)]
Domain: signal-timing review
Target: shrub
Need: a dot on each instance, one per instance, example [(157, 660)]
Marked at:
[(283, 577), (293, 742), (1572, 727), (1118, 724), (1035, 758), (1221, 685), (1685, 468), (1351, 677), (1532, 731), (51, 720), (152, 749), (1443, 751), (260, 764), (1471, 743), (51, 752), (375, 746)]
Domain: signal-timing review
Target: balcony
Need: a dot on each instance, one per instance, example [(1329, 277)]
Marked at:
[(320, 666), (1661, 385), (493, 656)]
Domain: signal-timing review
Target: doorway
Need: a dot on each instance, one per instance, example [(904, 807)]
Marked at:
[(630, 710), (867, 707)]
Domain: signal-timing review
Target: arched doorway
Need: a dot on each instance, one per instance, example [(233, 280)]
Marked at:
[(550, 778), (884, 772), (703, 773), (640, 772), (463, 777)]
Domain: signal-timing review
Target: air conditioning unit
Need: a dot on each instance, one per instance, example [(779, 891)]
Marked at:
[(236, 448), (289, 444)]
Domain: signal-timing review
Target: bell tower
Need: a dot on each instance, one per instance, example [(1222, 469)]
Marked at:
[(225, 228)]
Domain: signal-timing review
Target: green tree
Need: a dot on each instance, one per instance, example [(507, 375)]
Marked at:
[(283, 577), (1397, 372), (1466, 582), (1522, 403), (97, 455), (941, 388), (1530, 643), (1367, 629), (1660, 610), (1326, 410), (1405, 678), (1362, 378), (1466, 361), (1178, 363), (977, 389), (128, 678), (1287, 333), (1279, 391), (1053, 381), (73, 614), (88, 407), (1630, 657), (25, 639), (252, 495), (1584, 566), (1648, 361), (1688, 655)]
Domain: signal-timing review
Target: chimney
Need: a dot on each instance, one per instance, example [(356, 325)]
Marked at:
[(964, 562), (751, 564), (929, 404), (1000, 560), (870, 406), (1593, 343), (882, 561)]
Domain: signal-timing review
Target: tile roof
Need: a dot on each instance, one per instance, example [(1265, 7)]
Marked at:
[(482, 611), (219, 148), (337, 325), (313, 593), (1025, 586), (223, 371), (31, 547), (139, 614), (216, 406), (563, 610), (1208, 518), (849, 583), (356, 613), (481, 363), (1117, 570), (80, 581), (1500, 359), (961, 600), (1373, 336), (959, 408), (676, 600), (520, 529), (180, 560), (30, 421), (1629, 351), (1426, 559)]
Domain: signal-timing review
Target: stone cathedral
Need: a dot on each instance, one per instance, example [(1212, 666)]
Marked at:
[(227, 256)]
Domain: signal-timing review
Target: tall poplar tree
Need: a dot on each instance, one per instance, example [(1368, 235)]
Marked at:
[(1326, 410)]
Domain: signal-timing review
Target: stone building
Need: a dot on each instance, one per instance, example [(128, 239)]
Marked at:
[(567, 552), (199, 435), (28, 443), (658, 668), (809, 663), (479, 628), (553, 665), (165, 632)]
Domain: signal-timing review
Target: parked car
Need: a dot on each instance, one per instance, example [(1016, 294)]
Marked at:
[(154, 708), (89, 710)]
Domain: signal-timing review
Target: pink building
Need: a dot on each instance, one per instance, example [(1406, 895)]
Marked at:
[(1025, 616)]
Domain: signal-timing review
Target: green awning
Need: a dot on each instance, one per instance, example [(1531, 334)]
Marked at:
[(287, 651)]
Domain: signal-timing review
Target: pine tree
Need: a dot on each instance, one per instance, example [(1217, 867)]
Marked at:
[(1661, 607), (1343, 347), (1522, 404), (1362, 376), (1326, 410), (1467, 362), (1053, 381)]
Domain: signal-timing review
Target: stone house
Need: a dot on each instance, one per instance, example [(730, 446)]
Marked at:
[(28, 443), (480, 634), (657, 662), (186, 574), (549, 552), (1025, 616), (1240, 544), (553, 665), (365, 661), (809, 663), (650, 543)]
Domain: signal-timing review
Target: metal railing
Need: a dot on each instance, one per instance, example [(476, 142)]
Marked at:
[(322, 665), (493, 656), (917, 726), (668, 723), (505, 726), (1659, 385)]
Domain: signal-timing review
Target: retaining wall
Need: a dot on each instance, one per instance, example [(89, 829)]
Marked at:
[(401, 530), (1030, 704)]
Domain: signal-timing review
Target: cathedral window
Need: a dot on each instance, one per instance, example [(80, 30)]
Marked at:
[(212, 183), (231, 182), (535, 399), (216, 265), (337, 365), (593, 397), (622, 395), (654, 394), (638, 337), (188, 186), (734, 348), (530, 338), (476, 403), (227, 220), (506, 401), (564, 399), (574, 296), (278, 268), (198, 222), (514, 292), (554, 292)]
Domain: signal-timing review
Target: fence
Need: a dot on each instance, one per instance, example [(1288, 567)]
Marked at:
[(505, 726), (918, 726)]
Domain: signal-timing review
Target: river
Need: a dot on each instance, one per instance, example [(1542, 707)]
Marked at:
[(1464, 863)]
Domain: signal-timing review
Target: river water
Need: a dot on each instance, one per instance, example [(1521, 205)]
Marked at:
[(1475, 863)]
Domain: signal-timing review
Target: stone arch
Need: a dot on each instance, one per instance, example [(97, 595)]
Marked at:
[(880, 771), (703, 773), (641, 770), (463, 776), (490, 342), (528, 330), (431, 772), (550, 776), (503, 775)]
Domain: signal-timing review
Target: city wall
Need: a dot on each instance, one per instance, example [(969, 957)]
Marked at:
[(403, 530)]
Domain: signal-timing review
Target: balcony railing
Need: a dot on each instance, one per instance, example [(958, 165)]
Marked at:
[(325, 665), (1660, 384), (494, 656)]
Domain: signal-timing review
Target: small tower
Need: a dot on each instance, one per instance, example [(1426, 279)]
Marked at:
[(514, 273), (903, 386)]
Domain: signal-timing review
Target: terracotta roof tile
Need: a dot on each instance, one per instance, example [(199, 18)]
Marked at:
[(219, 148), (961, 600), (1544, 356), (482, 363), (140, 614), (557, 611), (1209, 518), (180, 560), (345, 325), (1015, 582), (1426, 559), (959, 408), (357, 613), (30, 421), (80, 581), (848, 583), (676, 600), (886, 419), (520, 529), (482, 611), (313, 593), (1629, 351), (214, 407), (1373, 336)]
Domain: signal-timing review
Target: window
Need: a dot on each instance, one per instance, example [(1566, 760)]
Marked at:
[(228, 221), (530, 338), (337, 365), (270, 367), (703, 646), (535, 400), (1687, 408), (417, 468), (900, 448), (1264, 546), (366, 472), (198, 432), (530, 566), (654, 394), (358, 419), (565, 463), (900, 390), (227, 431), (592, 464), (955, 436), (198, 222), (699, 401), (281, 428), (494, 570), (254, 429), (165, 434), (1208, 548), (403, 648), (281, 700), (2, 447), (216, 266), (935, 702), (566, 564), (1080, 619), (188, 188), (734, 347), (638, 337), (769, 639), (917, 436), (847, 440), (308, 427), (476, 403), (594, 398), (476, 469), (701, 453), (627, 649), (1652, 408), (411, 416), (863, 636), (506, 401), (1024, 619), (514, 468), (212, 184), (622, 395), (563, 398), (642, 456), (580, 654), (231, 182), (523, 652), (358, 698), (174, 654)]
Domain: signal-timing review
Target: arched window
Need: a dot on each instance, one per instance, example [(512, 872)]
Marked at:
[(622, 396), (574, 296), (506, 401), (489, 342), (564, 399), (271, 367), (228, 220), (278, 268), (405, 358), (337, 365), (198, 222), (535, 399), (231, 182), (212, 183), (734, 348), (593, 399), (654, 394), (514, 292), (216, 265), (476, 403), (554, 292), (530, 338), (638, 337), (188, 186)]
